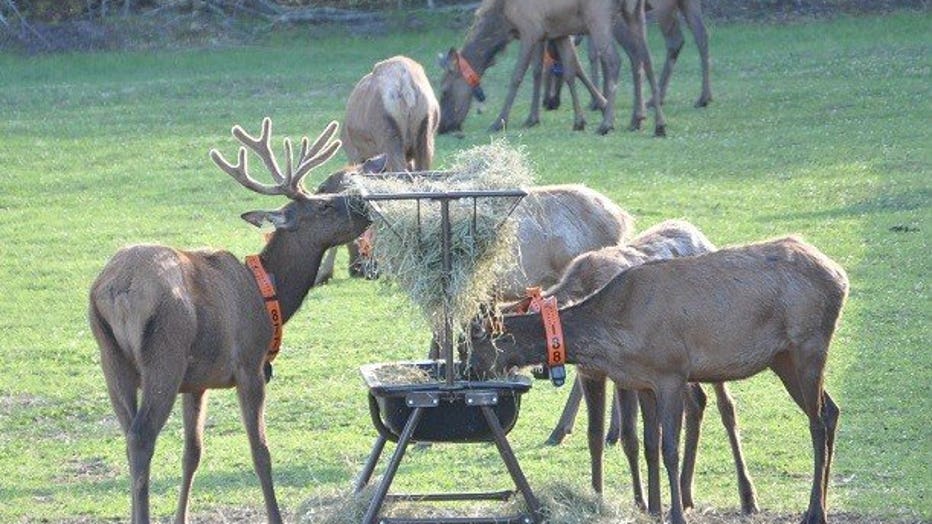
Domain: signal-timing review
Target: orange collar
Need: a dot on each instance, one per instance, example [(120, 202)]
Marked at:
[(267, 288), (553, 330), (469, 74)]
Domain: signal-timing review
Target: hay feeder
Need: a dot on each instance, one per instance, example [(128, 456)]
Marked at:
[(433, 401)]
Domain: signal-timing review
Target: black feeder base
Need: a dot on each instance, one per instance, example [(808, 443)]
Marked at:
[(461, 412)]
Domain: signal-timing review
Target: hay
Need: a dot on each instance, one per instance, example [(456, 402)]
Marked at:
[(409, 251), (400, 374), (560, 502)]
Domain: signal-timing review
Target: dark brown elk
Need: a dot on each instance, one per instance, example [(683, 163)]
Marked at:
[(667, 14), (717, 317), (497, 22), (172, 322), (586, 274)]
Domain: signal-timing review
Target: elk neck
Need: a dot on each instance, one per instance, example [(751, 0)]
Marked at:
[(488, 36)]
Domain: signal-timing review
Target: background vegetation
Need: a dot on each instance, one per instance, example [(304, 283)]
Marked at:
[(819, 127)]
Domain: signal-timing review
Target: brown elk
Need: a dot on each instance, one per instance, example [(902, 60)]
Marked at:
[(169, 321), (391, 114), (497, 22), (392, 111), (666, 13), (586, 274), (722, 316)]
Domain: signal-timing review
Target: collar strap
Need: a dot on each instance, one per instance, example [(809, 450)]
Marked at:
[(553, 330), (267, 288), (469, 74)]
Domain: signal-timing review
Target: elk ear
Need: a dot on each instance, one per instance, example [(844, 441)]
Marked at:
[(374, 165), (279, 219)]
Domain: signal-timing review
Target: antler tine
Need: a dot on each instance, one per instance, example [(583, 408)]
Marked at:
[(240, 173), (313, 156), (261, 147)]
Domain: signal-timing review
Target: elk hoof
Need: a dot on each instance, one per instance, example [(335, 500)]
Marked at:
[(497, 126), (749, 508), (551, 103), (660, 131), (556, 438), (594, 105), (605, 129), (531, 122), (635, 123), (703, 101), (579, 125)]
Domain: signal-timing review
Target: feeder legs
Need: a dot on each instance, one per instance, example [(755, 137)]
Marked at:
[(376, 504)]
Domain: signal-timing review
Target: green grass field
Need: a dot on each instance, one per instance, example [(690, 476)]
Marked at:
[(820, 128)]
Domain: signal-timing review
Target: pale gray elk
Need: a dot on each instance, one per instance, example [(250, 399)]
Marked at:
[(721, 316), (667, 14), (391, 114), (589, 272), (497, 22), (172, 322)]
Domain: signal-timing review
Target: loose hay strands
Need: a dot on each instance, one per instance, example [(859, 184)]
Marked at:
[(408, 247)]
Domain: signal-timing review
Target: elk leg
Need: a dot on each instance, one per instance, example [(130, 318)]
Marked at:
[(537, 57), (830, 414), (424, 150), (325, 272), (552, 83), (594, 391), (694, 408), (625, 37), (528, 50), (648, 402), (610, 65), (567, 53), (250, 388), (670, 412), (726, 408), (565, 425), (595, 63), (194, 414), (804, 383), (696, 24), (627, 402), (673, 37)]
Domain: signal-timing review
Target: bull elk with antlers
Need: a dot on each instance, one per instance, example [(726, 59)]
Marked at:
[(169, 321)]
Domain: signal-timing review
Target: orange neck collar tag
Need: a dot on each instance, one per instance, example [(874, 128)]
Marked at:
[(469, 74), (553, 330), (267, 288)]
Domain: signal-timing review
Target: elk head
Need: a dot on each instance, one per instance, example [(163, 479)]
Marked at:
[(329, 218), (456, 93)]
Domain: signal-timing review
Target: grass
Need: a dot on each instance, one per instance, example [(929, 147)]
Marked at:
[(819, 128)]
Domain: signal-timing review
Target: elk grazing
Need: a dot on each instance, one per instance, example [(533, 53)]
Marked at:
[(169, 321), (666, 13), (392, 111), (586, 274), (721, 316), (497, 22), (391, 114)]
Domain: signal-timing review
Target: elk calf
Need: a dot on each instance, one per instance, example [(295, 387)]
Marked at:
[(169, 321), (392, 111), (717, 317)]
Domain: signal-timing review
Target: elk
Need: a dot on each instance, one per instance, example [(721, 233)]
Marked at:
[(587, 273), (666, 13), (391, 114), (721, 316), (497, 22), (392, 111), (172, 322)]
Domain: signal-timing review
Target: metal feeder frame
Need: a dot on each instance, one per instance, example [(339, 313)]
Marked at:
[(413, 404)]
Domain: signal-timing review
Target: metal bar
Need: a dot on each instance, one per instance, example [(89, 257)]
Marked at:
[(362, 480), (444, 195), (445, 279), (379, 496), (435, 497), (508, 456), (513, 519)]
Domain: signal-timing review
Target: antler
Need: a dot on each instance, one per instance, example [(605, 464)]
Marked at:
[(288, 183)]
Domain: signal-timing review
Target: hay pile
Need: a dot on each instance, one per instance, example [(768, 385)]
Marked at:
[(409, 251)]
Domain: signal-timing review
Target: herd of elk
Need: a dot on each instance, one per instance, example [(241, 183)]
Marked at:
[(172, 322), (717, 317)]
